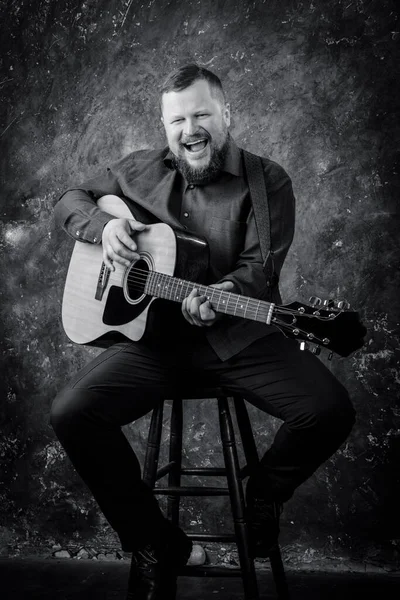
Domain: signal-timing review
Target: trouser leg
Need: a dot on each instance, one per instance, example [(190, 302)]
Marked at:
[(295, 386), (119, 386)]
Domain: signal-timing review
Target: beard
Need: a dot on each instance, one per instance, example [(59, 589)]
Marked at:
[(205, 174)]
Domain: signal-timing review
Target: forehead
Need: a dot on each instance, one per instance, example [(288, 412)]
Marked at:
[(198, 95)]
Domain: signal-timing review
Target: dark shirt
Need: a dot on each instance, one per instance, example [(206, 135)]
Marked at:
[(220, 211)]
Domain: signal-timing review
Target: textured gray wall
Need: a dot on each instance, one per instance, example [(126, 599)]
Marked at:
[(312, 85)]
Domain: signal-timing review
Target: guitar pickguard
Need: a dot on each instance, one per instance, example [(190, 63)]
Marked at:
[(118, 311)]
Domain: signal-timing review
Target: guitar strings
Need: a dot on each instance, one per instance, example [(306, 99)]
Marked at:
[(138, 278), (142, 276), (301, 332)]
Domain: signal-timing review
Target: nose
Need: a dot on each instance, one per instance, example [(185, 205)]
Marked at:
[(189, 127)]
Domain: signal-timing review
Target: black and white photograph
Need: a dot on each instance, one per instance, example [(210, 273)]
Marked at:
[(199, 300)]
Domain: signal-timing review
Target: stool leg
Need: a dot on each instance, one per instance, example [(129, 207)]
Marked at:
[(237, 500), (251, 454), (246, 433), (175, 456), (153, 446), (278, 573)]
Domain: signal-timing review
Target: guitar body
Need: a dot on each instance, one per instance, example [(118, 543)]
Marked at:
[(96, 309)]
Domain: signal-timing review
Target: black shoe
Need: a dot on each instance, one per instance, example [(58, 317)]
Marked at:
[(154, 569), (262, 518), (145, 575)]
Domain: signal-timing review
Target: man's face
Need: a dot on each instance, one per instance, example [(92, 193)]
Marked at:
[(196, 123)]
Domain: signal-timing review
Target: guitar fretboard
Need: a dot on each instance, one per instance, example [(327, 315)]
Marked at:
[(175, 289)]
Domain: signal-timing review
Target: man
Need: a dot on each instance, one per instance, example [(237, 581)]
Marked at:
[(197, 183)]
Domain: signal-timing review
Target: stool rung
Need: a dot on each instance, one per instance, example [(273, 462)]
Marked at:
[(226, 538), (191, 491), (210, 571), (209, 471), (165, 470)]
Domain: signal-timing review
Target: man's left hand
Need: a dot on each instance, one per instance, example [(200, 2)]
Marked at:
[(197, 310)]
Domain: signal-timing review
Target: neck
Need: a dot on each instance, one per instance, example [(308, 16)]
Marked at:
[(175, 289)]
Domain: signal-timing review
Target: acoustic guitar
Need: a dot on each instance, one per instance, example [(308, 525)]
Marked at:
[(100, 305)]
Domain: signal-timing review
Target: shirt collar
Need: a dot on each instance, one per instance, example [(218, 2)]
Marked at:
[(232, 164)]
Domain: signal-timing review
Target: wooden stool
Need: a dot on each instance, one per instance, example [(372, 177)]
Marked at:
[(233, 473)]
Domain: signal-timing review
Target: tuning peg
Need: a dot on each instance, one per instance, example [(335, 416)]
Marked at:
[(342, 305), (329, 303), (315, 301), (303, 346), (330, 355), (316, 350)]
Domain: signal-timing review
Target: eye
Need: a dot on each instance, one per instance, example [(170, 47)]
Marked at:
[(177, 120)]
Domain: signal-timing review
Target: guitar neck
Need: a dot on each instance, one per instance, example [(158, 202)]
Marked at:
[(175, 289)]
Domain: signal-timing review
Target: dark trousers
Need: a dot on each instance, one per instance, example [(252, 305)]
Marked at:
[(126, 381)]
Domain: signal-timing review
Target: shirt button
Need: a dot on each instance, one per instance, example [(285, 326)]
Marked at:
[(186, 214), (78, 233), (191, 186), (95, 240)]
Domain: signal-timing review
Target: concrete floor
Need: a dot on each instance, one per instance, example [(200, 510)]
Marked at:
[(51, 579)]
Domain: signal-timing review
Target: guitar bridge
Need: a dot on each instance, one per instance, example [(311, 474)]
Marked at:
[(102, 281)]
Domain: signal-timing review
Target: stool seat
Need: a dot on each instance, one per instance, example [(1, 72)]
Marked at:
[(232, 471)]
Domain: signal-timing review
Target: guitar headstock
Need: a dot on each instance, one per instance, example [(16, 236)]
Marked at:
[(329, 324)]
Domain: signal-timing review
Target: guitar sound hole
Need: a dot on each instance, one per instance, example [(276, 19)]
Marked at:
[(136, 279)]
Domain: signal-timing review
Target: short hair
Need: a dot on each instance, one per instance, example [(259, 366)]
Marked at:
[(185, 76)]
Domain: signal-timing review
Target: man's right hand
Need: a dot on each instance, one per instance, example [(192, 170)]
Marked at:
[(118, 245)]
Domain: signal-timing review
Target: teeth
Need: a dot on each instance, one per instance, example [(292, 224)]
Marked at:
[(196, 142), (197, 146)]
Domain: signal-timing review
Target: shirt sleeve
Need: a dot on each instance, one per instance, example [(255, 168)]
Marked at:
[(248, 275), (77, 212)]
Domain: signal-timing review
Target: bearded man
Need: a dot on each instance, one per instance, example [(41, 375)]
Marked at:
[(198, 184)]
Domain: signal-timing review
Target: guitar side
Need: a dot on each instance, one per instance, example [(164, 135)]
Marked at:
[(84, 316)]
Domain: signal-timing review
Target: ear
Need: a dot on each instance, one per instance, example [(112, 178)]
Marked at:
[(227, 114)]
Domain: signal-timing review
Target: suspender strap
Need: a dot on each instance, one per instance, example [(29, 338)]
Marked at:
[(258, 194)]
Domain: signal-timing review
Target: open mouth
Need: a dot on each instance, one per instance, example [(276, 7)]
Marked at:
[(196, 146)]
